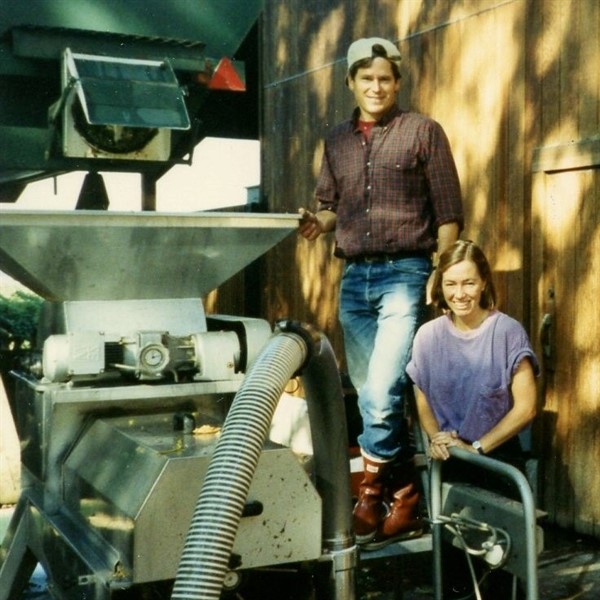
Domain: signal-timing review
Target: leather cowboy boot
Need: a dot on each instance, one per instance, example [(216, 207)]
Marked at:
[(370, 510), (403, 520)]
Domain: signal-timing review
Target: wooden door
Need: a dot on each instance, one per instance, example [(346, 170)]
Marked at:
[(566, 278)]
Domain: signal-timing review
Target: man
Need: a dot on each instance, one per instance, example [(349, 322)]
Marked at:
[(389, 188)]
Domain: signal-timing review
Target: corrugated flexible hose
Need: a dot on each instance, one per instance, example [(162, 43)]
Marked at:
[(218, 511)]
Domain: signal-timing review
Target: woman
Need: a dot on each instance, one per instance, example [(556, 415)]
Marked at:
[(473, 367), (474, 370)]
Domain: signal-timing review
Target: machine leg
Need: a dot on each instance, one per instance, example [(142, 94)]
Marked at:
[(336, 575), (17, 562)]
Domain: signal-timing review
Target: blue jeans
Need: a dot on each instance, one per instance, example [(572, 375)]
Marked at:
[(381, 305)]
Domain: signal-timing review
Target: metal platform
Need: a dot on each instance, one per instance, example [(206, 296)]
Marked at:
[(402, 548)]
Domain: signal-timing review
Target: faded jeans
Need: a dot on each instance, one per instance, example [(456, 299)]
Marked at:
[(381, 305)]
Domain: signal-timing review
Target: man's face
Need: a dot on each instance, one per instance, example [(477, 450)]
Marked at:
[(375, 89)]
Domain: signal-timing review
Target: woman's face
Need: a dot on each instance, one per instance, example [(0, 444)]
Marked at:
[(462, 287)]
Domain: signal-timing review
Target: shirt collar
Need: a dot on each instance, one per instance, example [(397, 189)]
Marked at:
[(387, 118)]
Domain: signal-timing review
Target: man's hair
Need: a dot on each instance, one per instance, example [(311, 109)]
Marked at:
[(365, 63), (459, 251)]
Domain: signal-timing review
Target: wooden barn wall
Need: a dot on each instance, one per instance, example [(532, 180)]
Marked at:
[(564, 81), (515, 85)]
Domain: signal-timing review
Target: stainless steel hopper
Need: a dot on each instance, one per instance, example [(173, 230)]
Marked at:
[(142, 401), (96, 255)]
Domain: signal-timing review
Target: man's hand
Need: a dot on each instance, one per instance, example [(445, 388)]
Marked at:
[(313, 225)]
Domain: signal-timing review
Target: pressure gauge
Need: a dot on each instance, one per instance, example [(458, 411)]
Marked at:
[(153, 358)]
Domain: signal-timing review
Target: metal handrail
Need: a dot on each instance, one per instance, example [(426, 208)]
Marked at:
[(529, 515)]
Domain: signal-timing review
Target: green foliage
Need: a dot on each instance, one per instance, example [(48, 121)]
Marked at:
[(18, 320)]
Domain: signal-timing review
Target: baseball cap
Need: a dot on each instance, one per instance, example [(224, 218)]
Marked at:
[(363, 48)]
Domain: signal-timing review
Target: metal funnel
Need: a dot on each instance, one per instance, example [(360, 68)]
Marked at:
[(97, 255)]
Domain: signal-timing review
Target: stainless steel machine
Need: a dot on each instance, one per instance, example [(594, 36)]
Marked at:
[(145, 463)]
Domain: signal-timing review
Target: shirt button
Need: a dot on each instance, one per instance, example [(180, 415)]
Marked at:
[(368, 233), (368, 187), (368, 209)]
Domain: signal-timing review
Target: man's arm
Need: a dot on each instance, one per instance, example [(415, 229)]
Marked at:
[(447, 235), (313, 225)]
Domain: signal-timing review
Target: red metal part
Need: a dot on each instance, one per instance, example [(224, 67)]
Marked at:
[(226, 77)]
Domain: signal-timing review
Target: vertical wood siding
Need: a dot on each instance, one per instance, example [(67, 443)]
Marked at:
[(515, 84), (563, 49)]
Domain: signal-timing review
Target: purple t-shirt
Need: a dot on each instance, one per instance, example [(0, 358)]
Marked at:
[(466, 376)]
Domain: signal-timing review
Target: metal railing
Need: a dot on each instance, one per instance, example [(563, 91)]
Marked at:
[(529, 515)]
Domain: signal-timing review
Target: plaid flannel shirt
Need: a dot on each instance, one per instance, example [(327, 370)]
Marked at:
[(392, 191)]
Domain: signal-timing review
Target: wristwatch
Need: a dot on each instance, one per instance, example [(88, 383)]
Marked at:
[(477, 445)]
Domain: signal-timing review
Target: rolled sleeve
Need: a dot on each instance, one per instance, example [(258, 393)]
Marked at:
[(444, 183)]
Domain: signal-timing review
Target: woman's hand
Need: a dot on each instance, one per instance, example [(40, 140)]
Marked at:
[(442, 440), (439, 444)]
